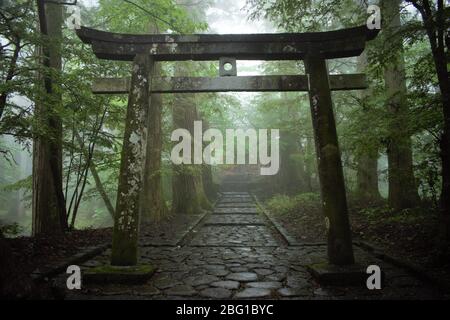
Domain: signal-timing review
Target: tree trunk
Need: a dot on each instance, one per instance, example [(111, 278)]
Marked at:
[(98, 182), (445, 159), (49, 212), (310, 166), (208, 183), (153, 205), (367, 177), (187, 187), (207, 175), (290, 180), (402, 185), (304, 175), (440, 61), (367, 158)]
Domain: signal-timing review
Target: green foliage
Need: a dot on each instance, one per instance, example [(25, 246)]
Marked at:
[(364, 123), (388, 215), (10, 230), (283, 204), (24, 184), (309, 15), (139, 16), (427, 168), (17, 67), (80, 110)]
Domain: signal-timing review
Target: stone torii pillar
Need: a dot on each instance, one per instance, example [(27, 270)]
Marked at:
[(332, 186), (127, 216)]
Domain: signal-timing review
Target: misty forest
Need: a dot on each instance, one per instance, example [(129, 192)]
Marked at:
[(92, 93)]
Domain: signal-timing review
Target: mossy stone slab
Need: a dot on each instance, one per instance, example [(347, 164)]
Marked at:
[(334, 275), (137, 274)]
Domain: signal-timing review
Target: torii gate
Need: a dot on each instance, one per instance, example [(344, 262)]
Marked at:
[(313, 48)]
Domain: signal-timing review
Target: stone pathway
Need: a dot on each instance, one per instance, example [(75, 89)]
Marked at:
[(236, 253)]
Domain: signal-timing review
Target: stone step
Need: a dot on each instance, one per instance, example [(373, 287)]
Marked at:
[(235, 199), (236, 205), (248, 236), (236, 194), (235, 211), (231, 219)]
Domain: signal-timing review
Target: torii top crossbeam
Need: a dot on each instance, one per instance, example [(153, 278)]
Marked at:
[(202, 47)]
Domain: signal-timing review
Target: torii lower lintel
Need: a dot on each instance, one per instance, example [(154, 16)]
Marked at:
[(229, 84)]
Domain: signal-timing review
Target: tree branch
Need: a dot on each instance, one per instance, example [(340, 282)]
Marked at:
[(10, 74), (153, 15)]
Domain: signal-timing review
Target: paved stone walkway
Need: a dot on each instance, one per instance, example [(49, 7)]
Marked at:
[(236, 253)]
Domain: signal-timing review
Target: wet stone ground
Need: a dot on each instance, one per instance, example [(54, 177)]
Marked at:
[(235, 253)]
